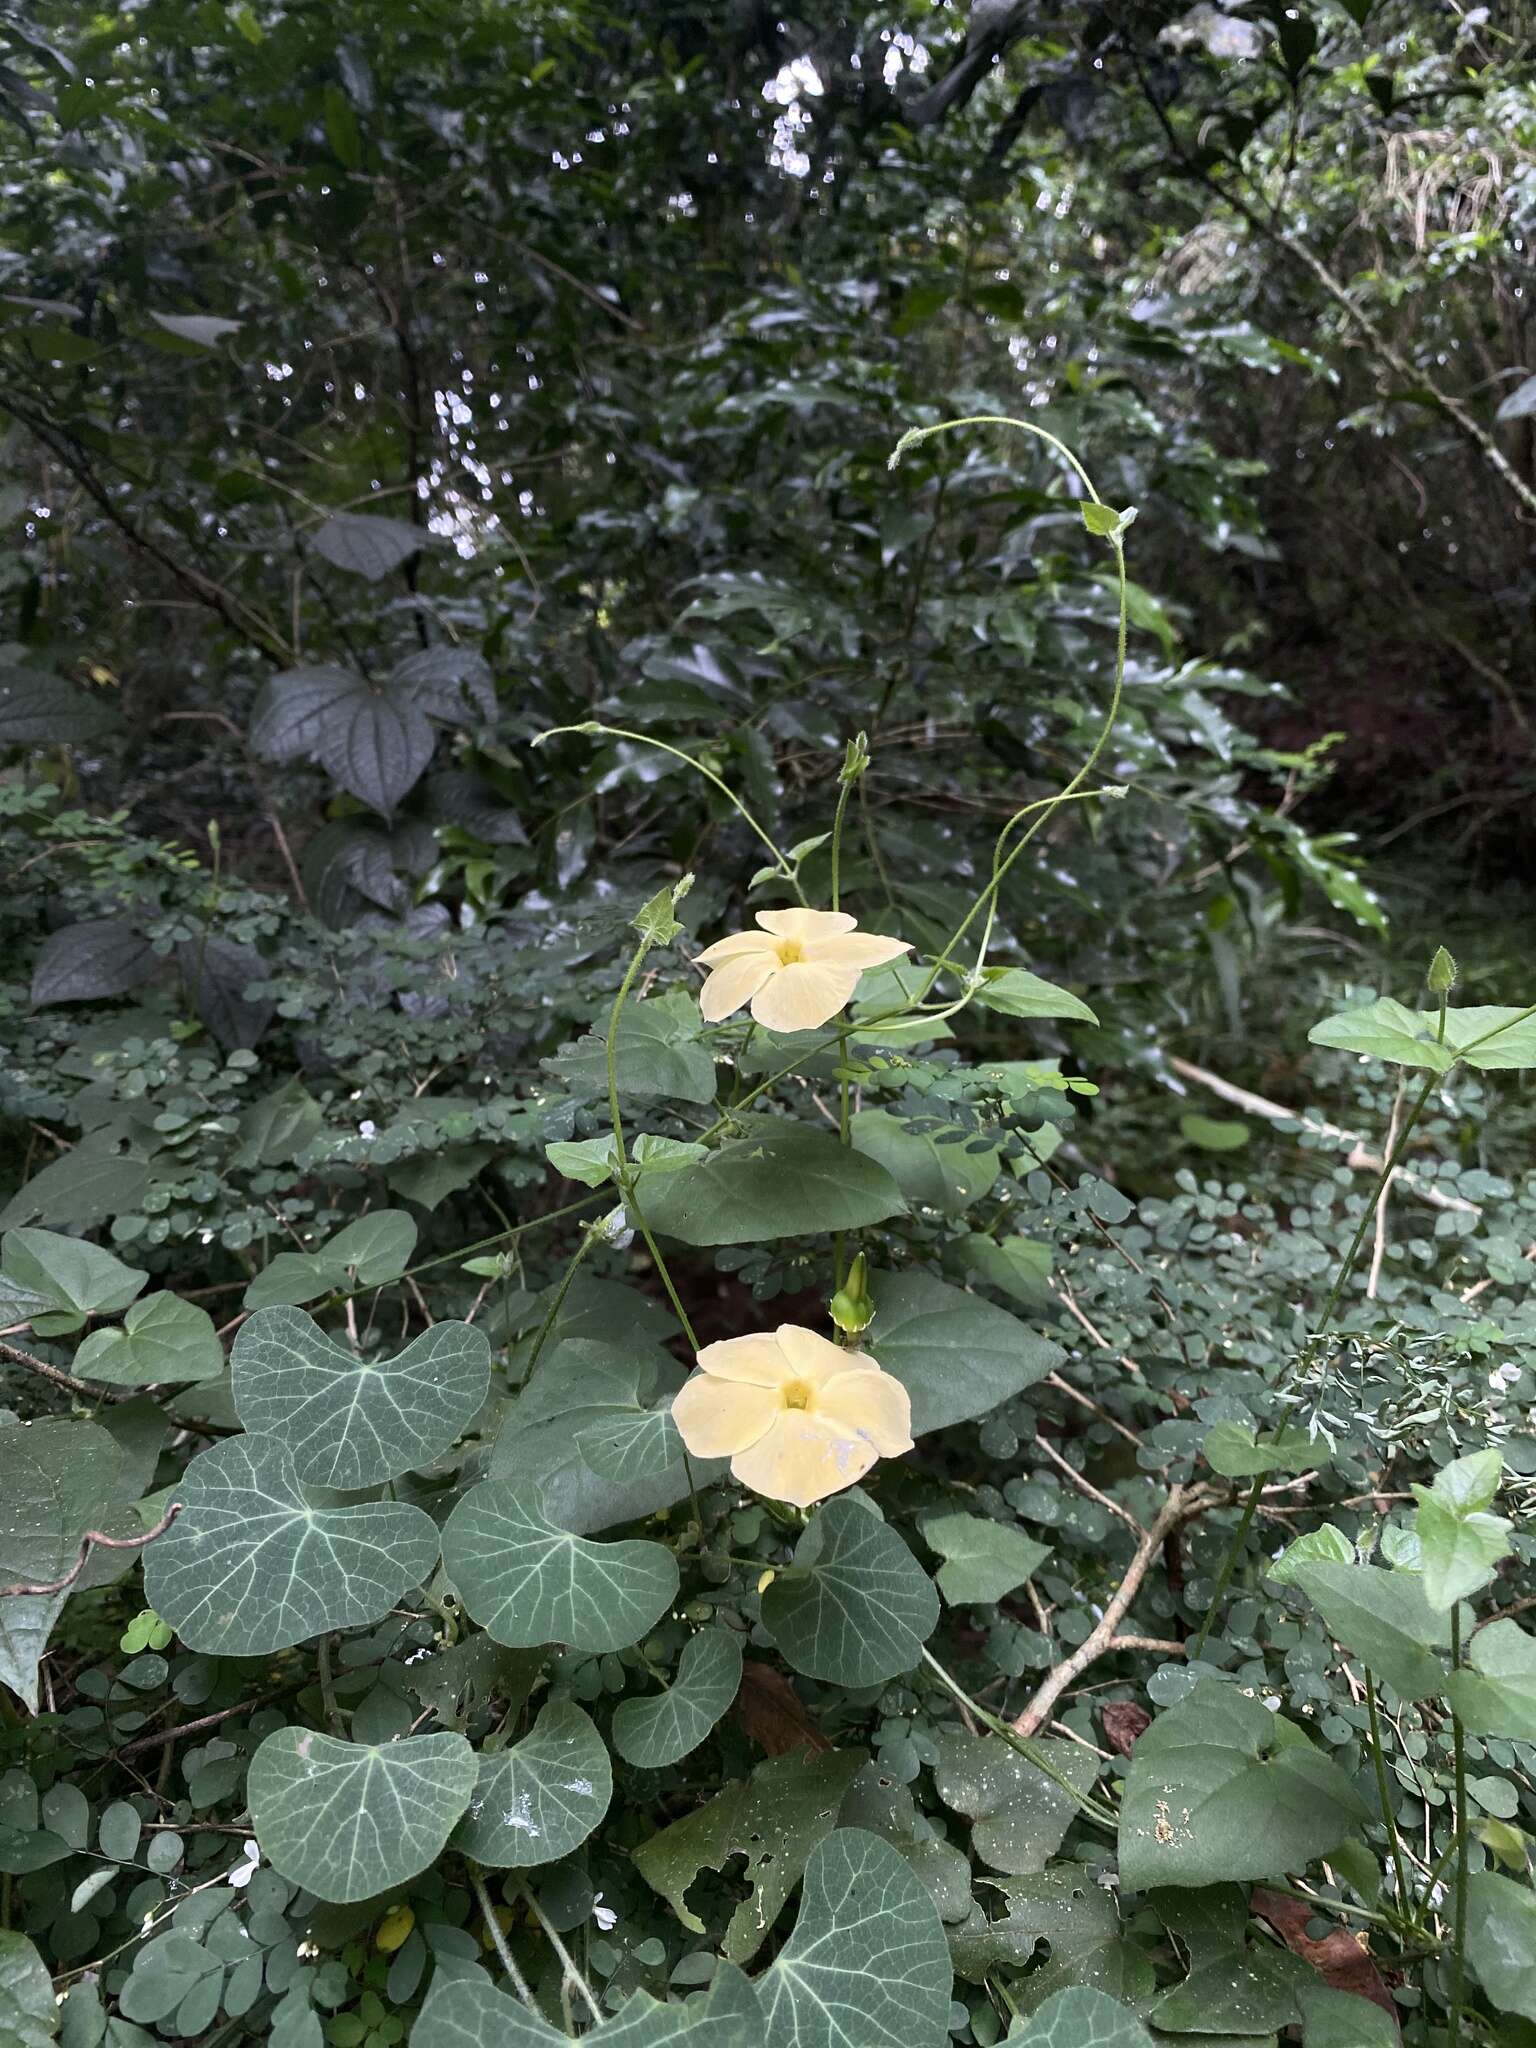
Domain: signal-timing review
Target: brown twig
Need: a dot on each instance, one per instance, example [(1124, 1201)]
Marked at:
[(164, 1735), (93, 1538), (1088, 1490), (1182, 1505), (49, 1372)]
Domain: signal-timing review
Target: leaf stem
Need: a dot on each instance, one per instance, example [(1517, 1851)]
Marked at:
[(493, 1928), (1089, 1807), (567, 1960), (1459, 1756), (1389, 1818)]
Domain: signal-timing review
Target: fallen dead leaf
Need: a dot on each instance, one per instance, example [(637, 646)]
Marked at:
[(1341, 1959), (772, 1714)]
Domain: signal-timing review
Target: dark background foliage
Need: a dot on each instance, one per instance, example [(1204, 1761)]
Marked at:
[(386, 384)]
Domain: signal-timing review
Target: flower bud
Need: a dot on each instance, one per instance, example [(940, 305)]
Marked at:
[(1442, 973), (852, 1308)]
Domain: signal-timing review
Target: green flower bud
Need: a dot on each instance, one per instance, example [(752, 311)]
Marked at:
[(852, 1308), (1442, 973)]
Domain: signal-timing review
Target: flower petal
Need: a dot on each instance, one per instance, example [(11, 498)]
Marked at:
[(717, 1418), (737, 947), (802, 1460), (737, 982), (802, 996), (855, 949), (755, 1361), (806, 924), (870, 1404), (814, 1358)]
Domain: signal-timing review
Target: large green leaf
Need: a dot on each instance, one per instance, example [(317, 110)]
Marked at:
[(1497, 1695), (784, 1181), (774, 1819), (56, 1477), (957, 1355), (588, 1396), (465, 2012), (660, 1053), (1458, 1552), (28, 2016), (528, 1582), (1220, 1788), (1493, 1035), (867, 1965), (1501, 1941), (1384, 1618), (1076, 1917), (933, 1172), (55, 1282), (162, 1338), (983, 1560), (1384, 1030), (666, 1726), (1018, 993), (1081, 2019), (352, 1422), (369, 1253), (348, 1820), (1019, 1815), (542, 1797), (858, 1606), (252, 1566)]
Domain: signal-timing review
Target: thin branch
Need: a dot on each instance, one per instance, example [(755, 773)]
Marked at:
[(17, 1356), (1276, 1112), (1181, 1506), (1088, 1490), (93, 1537), (162, 1736)]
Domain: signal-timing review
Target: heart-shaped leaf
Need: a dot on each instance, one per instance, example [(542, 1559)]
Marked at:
[(957, 1355), (527, 1582), (1501, 1941), (935, 1169), (1221, 1789), (1081, 2018), (162, 1338), (666, 1726), (368, 1253), (984, 1560), (352, 1422), (372, 737), (55, 1282), (465, 2012), (1497, 1696), (29, 2017), (55, 1476), (540, 1799), (250, 1566), (348, 1820), (867, 1965), (1019, 1815), (1385, 1030), (858, 1606), (781, 1182), (1383, 1617), (624, 1444), (367, 544)]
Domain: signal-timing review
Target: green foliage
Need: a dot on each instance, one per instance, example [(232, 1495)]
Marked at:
[(454, 575)]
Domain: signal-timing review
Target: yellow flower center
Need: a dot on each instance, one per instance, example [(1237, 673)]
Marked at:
[(796, 1394), (789, 952)]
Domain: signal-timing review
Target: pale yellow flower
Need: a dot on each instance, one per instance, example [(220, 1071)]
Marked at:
[(798, 971), (799, 1418)]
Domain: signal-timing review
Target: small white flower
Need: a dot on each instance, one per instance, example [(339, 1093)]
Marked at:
[(367, 1128), (308, 1950), (146, 1925), (242, 1873), (605, 1916)]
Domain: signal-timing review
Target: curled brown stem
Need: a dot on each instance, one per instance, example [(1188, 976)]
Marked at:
[(93, 1538)]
